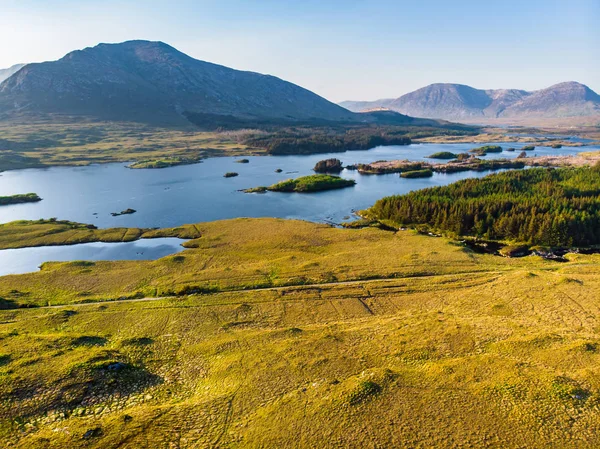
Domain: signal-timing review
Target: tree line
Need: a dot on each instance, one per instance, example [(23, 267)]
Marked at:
[(541, 206)]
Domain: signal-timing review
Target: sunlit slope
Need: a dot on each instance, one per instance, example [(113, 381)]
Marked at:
[(456, 350)]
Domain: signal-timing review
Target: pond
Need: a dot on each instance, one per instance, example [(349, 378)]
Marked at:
[(23, 260)]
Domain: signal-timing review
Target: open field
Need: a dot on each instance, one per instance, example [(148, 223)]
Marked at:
[(234, 255), (84, 143), (432, 346), (80, 142)]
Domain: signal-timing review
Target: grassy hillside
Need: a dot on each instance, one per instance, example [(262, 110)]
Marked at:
[(434, 346)]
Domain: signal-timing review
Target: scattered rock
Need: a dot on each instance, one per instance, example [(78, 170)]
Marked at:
[(117, 366), (328, 166), (124, 212), (92, 433)]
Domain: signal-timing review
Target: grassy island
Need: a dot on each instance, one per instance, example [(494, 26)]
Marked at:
[(454, 166), (230, 174), (306, 184), (482, 151), (426, 173), (163, 163), (19, 199), (443, 155)]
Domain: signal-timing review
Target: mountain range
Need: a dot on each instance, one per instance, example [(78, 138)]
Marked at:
[(146, 81), (152, 81), (463, 103)]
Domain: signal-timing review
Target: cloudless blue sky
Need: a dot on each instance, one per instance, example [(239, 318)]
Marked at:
[(352, 49)]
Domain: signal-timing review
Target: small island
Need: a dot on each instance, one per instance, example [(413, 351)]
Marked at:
[(443, 155), (426, 173), (328, 166), (230, 174), (242, 161), (19, 199), (482, 151), (462, 163), (528, 148), (306, 184), (127, 211), (163, 163)]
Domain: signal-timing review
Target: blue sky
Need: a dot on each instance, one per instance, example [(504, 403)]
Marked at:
[(353, 49)]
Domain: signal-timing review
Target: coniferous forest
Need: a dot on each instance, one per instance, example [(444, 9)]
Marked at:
[(551, 207)]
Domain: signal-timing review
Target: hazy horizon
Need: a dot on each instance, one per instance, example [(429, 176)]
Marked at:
[(353, 50)]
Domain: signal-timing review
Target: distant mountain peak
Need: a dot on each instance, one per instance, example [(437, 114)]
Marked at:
[(460, 102)]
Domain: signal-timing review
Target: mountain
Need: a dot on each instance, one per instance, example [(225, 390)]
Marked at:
[(464, 103), (152, 81), (6, 73), (560, 100)]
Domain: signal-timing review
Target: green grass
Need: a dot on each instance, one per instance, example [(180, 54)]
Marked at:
[(163, 163), (443, 155), (427, 173), (42, 144), (447, 349), (307, 184), (482, 151), (233, 255), (23, 233)]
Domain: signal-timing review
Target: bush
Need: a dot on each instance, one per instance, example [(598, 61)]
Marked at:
[(364, 391)]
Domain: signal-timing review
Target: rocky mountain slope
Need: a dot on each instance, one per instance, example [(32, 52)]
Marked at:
[(152, 81), (464, 103)]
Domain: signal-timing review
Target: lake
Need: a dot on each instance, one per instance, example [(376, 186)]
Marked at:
[(194, 193), (23, 260)]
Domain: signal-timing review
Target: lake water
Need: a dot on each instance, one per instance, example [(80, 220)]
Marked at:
[(23, 260), (195, 193)]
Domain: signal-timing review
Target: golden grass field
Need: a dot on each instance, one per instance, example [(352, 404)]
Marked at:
[(394, 340), (84, 143)]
